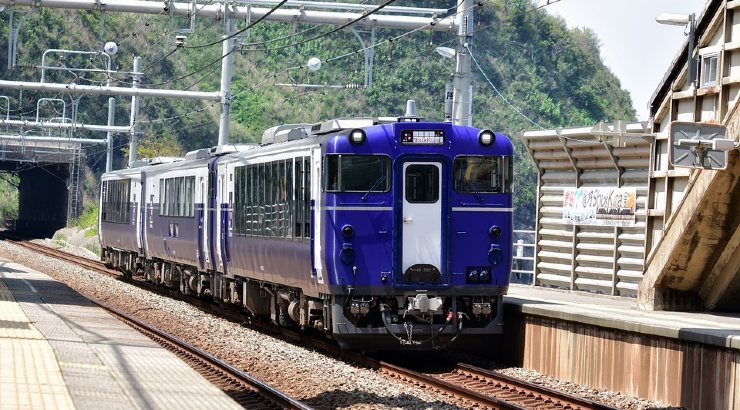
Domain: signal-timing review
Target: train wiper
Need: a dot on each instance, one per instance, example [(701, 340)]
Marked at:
[(375, 185), (475, 191)]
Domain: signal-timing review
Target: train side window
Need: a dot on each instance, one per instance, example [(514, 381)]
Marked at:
[(331, 173), (211, 184), (161, 197), (261, 200), (288, 205), (190, 196), (307, 197), (116, 207), (298, 204), (253, 210), (240, 204), (248, 200), (177, 197)]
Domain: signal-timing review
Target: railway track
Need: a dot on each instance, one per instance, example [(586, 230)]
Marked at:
[(246, 390), (464, 384), (249, 392)]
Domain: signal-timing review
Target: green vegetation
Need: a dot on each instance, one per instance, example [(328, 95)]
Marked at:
[(8, 196), (93, 248), (88, 220), (551, 74), (59, 240)]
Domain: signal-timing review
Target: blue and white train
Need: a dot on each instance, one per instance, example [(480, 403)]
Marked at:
[(383, 233)]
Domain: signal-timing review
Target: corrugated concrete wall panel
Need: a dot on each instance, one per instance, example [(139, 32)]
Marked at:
[(676, 372), (602, 259)]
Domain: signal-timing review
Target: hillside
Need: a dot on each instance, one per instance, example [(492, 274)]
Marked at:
[(550, 74)]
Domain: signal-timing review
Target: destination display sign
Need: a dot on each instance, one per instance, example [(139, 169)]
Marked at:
[(422, 137)]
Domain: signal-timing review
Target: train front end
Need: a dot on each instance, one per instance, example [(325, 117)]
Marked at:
[(416, 234)]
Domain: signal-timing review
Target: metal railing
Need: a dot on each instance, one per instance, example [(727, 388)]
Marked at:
[(522, 269)]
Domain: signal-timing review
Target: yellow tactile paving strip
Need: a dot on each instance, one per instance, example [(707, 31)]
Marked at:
[(30, 377)]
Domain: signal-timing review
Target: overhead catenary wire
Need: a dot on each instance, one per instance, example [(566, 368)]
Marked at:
[(205, 67), (238, 32), (472, 56), (386, 41), (201, 69), (330, 32), (212, 63)]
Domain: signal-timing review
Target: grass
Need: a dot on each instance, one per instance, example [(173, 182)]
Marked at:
[(88, 221), (59, 240), (93, 248)]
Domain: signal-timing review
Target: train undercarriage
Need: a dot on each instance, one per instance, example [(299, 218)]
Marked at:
[(418, 320)]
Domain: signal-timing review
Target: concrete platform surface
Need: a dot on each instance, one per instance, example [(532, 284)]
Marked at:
[(716, 329), (58, 350)]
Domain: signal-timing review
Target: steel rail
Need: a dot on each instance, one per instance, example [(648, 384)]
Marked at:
[(282, 400), (466, 384), (212, 368)]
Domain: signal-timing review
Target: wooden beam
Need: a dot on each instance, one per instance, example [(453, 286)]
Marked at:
[(724, 272)]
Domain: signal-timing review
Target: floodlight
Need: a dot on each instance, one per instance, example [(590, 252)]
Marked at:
[(110, 48), (446, 52), (673, 19), (314, 64)]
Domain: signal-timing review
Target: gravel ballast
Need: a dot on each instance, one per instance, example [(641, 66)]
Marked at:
[(312, 377)]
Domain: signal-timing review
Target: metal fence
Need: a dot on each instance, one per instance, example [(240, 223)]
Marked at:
[(522, 269)]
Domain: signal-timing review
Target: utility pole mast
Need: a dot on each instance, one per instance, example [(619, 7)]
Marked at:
[(134, 143), (462, 99), (227, 63)]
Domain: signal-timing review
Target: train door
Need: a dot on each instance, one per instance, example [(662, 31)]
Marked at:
[(135, 206), (222, 223), (421, 225), (209, 220), (141, 223), (148, 225), (200, 212), (316, 222)]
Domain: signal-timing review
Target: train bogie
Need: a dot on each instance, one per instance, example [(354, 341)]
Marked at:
[(394, 234)]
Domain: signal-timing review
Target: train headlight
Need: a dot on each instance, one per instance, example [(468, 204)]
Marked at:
[(495, 256), (484, 276), (357, 136), (348, 231), (473, 276), (486, 137), (347, 254), (494, 231)]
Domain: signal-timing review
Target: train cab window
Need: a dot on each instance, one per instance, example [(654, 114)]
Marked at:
[(357, 173), (483, 174), (422, 184)]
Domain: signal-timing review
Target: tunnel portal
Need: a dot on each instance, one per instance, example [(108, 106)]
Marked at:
[(49, 192)]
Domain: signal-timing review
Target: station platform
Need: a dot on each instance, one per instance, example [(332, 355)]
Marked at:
[(60, 351), (716, 329), (684, 359)]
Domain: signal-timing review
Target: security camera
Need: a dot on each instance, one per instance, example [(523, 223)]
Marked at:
[(110, 48)]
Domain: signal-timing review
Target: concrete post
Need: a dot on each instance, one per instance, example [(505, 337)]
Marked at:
[(226, 71), (134, 144), (109, 139), (462, 100)]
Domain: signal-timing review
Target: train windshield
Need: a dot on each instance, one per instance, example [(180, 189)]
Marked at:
[(357, 173), (483, 174)]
